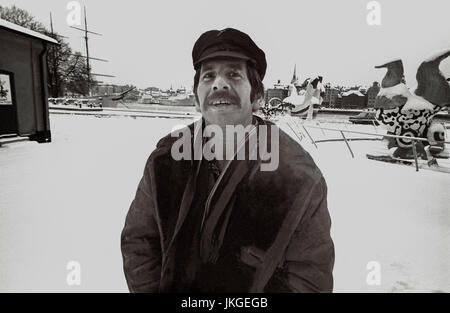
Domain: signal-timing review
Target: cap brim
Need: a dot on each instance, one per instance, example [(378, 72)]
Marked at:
[(227, 54)]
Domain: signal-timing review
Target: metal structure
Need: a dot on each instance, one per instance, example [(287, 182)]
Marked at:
[(414, 140), (89, 58)]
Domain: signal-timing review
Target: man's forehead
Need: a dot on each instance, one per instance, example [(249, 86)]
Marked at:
[(223, 62)]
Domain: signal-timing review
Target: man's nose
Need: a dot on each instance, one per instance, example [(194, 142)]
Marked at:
[(220, 83)]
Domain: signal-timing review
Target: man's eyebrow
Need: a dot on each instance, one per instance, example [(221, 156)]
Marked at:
[(207, 67)]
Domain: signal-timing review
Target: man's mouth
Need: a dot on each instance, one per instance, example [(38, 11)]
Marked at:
[(221, 102)]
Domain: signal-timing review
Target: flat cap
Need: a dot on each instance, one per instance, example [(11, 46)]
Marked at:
[(228, 42)]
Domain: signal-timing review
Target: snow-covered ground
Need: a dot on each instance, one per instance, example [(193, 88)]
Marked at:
[(67, 200), (386, 213)]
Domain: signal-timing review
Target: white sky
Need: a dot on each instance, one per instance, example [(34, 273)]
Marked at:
[(149, 43)]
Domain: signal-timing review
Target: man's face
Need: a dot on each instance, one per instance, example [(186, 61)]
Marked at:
[(224, 92)]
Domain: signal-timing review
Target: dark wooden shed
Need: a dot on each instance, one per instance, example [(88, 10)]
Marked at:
[(23, 83)]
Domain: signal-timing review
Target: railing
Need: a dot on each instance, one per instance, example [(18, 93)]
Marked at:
[(346, 140)]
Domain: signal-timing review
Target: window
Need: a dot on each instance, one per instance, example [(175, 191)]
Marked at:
[(5, 89)]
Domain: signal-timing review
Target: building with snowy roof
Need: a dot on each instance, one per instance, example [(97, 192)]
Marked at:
[(23, 83), (279, 91), (331, 96), (354, 99), (372, 93)]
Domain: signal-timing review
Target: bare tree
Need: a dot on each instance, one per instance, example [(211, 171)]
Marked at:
[(66, 69), (21, 17)]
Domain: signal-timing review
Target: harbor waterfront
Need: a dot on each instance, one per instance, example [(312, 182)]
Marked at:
[(134, 108)]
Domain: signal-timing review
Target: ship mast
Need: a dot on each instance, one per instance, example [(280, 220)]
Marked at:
[(88, 69), (89, 74)]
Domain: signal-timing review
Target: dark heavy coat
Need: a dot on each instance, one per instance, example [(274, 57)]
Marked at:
[(280, 224)]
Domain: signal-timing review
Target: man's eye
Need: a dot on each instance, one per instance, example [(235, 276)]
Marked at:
[(207, 75), (235, 74)]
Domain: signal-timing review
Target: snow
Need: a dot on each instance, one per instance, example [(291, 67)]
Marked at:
[(25, 31), (386, 213), (413, 103), (67, 200), (294, 98), (352, 92), (397, 90)]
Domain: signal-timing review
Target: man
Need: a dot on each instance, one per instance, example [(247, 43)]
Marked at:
[(229, 224)]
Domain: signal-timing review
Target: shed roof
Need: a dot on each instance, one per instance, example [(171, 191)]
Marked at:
[(25, 31)]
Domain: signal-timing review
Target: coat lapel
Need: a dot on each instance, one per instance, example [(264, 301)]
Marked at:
[(189, 191), (219, 201)]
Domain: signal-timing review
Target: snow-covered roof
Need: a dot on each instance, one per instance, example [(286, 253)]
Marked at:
[(280, 86), (356, 92), (25, 31)]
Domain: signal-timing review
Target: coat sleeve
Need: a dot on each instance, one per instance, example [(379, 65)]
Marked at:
[(309, 258), (140, 240)]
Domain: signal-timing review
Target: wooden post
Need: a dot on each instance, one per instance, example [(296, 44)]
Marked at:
[(415, 154)]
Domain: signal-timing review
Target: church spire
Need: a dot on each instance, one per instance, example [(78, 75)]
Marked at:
[(294, 79)]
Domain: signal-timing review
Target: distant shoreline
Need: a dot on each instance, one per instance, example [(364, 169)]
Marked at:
[(157, 107)]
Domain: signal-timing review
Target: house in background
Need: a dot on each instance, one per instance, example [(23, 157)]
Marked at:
[(278, 91), (372, 93), (331, 96), (23, 83), (354, 99)]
